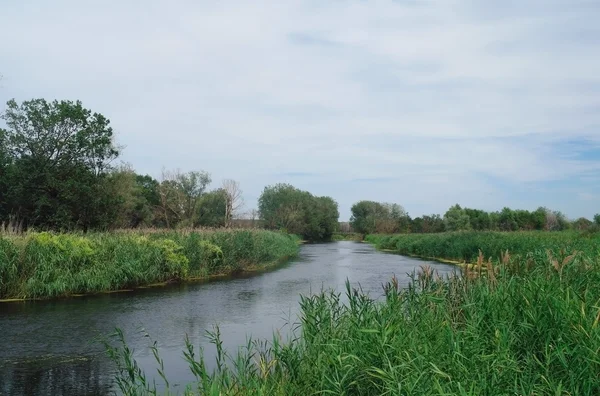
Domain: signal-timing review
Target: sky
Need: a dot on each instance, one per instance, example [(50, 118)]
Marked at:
[(425, 103)]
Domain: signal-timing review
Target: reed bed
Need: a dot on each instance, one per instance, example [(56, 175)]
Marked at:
[(524, 324), (48, 265), (466, 245)]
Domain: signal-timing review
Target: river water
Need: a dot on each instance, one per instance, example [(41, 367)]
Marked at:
[(50, 348)]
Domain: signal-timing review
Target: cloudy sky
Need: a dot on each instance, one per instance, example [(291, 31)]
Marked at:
[(425, 103)]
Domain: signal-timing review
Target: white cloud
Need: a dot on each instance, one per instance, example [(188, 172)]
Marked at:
[(459, 101)]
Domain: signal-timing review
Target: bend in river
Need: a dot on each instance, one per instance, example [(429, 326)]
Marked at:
[(51, 348)]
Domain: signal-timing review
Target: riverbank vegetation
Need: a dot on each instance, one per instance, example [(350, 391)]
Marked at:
[(526, 324), (49, 265), (467, 245), (369, 217)]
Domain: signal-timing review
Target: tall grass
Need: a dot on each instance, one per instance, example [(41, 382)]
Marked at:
[(519, 327), (465, 246), (47, 265)]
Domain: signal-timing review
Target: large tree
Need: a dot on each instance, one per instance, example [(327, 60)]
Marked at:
[(59, 154), (283, 206), (456, 219), (179, 194), (212, 209)]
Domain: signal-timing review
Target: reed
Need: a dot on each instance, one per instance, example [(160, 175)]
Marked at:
[(48, 265)]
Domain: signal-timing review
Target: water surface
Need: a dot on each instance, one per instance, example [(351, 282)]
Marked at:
[(49, 347)]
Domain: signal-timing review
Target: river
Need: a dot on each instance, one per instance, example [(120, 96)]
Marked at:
[(49, 347)]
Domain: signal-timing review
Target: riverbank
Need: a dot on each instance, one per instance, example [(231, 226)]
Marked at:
[(48, 265), (525, 324), (464, 247), (346, 236)]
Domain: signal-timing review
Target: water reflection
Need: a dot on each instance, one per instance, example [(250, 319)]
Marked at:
[(77, 375)]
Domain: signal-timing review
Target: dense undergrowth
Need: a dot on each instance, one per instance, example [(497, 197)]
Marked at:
[(522, 325), (465, 245), (47, 265)]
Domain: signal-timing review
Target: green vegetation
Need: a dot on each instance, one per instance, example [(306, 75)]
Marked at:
[(347, 236), (284, 207), (465, 245), (520, 326), (47, 265), (370, 217)]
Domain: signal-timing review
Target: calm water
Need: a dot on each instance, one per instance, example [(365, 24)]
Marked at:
[(49, 347)]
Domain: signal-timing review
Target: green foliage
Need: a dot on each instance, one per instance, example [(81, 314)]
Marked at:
[(55, 156), (347, 236), (47, 265), (427, 224), (211, 209), (523, 326), (466, 245), (597, 219), (456, 219), (284, 207), (374, 217)]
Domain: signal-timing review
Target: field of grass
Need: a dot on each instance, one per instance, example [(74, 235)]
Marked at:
[(48, 265), (465, 245), (520, 326)]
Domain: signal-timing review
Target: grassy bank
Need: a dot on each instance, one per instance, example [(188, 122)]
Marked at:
[(346, 236), (465, 246), (47, 265), (521, 326)]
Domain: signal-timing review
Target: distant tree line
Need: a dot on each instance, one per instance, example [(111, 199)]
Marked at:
[(370, 217), (57, 172)]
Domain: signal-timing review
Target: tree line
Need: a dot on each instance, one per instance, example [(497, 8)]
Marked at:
[(369, 217), (57, 173)]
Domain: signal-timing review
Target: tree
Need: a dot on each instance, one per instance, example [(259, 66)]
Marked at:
[(456, 219), (427, 224), (365, 215), (321, 217), (582, 224), (212, 208), (179, 194), (370, 217), (283, 206), (556, 221), (597, 219), (234, 199), (479, 219), (60, 153), (507, 221)]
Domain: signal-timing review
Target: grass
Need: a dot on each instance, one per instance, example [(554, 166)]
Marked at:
[(525, 324), (465, 246), (47, 265)]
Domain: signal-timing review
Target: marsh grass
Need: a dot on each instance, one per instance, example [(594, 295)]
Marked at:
[(48, 265), (466, 245), (522, 326)]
